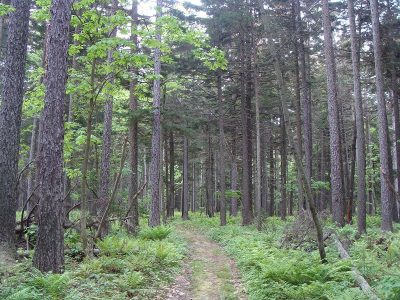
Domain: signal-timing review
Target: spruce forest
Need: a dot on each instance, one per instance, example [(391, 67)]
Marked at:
[(199, 149)]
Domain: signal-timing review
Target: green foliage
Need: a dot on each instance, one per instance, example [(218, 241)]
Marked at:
[(127, 267), (156, 233), (272, 272)]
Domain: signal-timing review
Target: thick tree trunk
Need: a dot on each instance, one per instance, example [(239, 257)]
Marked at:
[(360, 142), (246, 149), (221, 165), (337, 192), (386, 200), (49, 254), (133, 222), (10, 124), (185, 199), (156, 132)]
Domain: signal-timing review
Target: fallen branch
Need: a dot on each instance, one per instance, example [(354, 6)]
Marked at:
[(362, 283)]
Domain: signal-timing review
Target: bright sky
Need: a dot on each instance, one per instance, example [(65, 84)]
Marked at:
[(147, 7)]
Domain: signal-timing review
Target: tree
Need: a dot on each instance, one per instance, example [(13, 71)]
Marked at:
[(360, 136), (133, 129), (221, 144), (104, 188), (386, 200), (10, 123), (49, 254), (333, 118), (156, 131)]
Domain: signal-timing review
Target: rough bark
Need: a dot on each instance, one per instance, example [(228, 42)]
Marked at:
[(156, 131), (386, 200), (221, 144), (133, 133), (337, 192), (360, 139), (10, 123), (49, 254)]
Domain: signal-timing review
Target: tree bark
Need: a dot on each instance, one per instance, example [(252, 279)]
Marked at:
[(386, 200), (49, 254), (234, 178), (283, 204), (337, 192), (221, 165), (185, 198), (133, 222), (10, 123), (360, 139), (156, 132)]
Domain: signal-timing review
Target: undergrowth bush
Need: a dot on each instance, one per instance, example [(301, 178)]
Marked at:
[(126, 267)]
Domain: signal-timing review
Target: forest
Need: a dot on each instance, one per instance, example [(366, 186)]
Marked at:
[(199, 149)]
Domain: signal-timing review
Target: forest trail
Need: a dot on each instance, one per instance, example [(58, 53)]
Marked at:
[(208, 273)]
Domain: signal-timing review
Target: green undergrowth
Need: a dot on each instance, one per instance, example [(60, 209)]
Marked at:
[(272, 271), (127, 267)]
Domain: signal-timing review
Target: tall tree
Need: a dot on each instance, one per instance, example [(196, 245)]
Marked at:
[(104, 188), (221, 144), (49, 254), (337, 191), (156, 132), (386, 200), (185, 183), (10, 123), (360, 135), (133, 129)]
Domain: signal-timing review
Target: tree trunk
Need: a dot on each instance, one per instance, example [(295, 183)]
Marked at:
[(271, 205), (283, 204), (246, 164), (234, 178), (156, 132), (360, 139), (104, 188), (221, 143), (333, 118), (171, 197), (49, 254), (209, 175), (32, 158), (386, 201), (185, 199), (133, 221), (10, 124)]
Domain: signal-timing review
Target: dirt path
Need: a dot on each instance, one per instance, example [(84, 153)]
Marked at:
[(208, 273)]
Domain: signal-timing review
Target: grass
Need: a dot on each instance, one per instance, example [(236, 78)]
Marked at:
[(127, 268)]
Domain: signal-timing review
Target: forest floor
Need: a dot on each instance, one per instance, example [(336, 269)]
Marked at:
[(208, 273)]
